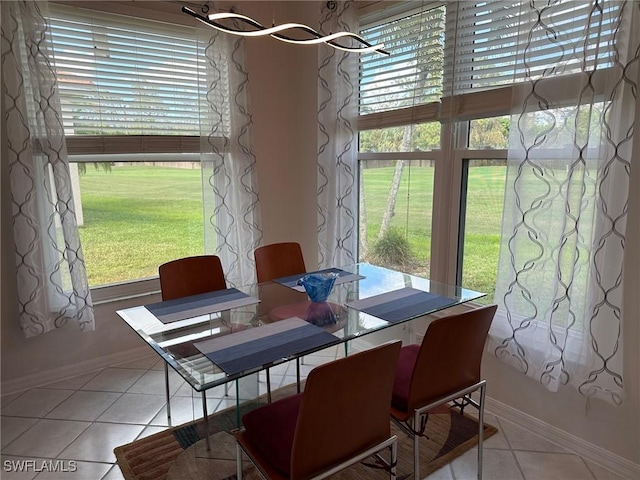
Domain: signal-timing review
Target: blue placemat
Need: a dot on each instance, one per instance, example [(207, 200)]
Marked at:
[(403, 304), (291, 281), (256, 347), (202, 304)]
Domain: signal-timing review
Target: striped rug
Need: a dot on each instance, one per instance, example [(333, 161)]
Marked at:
[(179, 453)]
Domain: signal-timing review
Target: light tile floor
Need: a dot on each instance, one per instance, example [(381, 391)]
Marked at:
[(82, 419)]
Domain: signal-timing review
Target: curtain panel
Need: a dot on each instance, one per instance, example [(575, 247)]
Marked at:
[(560, 275), (53, 290), (233, 227), (337, 142)]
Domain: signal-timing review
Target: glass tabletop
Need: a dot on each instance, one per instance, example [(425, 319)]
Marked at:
[(266, 324)]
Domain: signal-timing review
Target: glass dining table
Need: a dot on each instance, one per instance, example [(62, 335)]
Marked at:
[(220, 337)]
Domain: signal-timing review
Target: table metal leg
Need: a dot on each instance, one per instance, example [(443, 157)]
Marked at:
[(166, 389), (206, 419)]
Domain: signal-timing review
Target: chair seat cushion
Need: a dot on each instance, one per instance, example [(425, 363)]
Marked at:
[(404, 371), (270, 429)]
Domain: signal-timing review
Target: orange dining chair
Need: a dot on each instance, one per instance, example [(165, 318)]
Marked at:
[(275, 261), (281, 260), (341, 418), (443, 369), (189, 276), (278, 260)]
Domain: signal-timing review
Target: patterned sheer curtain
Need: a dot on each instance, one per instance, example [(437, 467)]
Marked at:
[(233, 227), (337, 142), (52, 282), (563, 240)]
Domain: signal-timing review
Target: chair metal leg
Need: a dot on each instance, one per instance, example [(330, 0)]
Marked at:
[(375, 450), (394, 460), (166, 391), (238, 461), (298, 374), (416, 430), (416, 447), (481, 429)]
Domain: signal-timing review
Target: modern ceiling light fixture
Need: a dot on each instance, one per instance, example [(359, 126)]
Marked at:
[(259, 30)]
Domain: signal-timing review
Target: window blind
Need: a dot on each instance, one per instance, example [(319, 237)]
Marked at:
[(485, 38), (412, 73), (128, 76)]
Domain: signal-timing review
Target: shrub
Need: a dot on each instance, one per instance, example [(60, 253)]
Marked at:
[(392, 248)]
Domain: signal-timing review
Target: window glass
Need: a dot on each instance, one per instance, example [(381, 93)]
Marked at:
[(489, 132), (130, 86), (482, 225), (396, 198), (125, 76), (134, 216), (485, 38), (412, 73), (408, 138)]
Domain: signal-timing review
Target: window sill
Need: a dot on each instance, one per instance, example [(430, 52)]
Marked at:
[(124, 291)]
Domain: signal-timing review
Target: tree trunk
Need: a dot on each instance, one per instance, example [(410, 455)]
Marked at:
[(364, 241), (391, 200), (395, 184)]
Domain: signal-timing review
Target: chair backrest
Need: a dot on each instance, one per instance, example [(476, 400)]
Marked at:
[(344, 409), (191, 276), (278, 260), (450, 355)]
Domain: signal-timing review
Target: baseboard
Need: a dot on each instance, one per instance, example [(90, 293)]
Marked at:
[(617, 464), (62, 373)]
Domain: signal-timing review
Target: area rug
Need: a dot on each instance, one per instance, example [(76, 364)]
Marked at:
[(179, 453)]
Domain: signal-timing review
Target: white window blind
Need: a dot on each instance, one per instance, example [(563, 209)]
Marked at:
[(127, 76), (484, 39), (412, 74)]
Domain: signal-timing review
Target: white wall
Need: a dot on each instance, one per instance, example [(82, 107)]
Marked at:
[(284, 99)]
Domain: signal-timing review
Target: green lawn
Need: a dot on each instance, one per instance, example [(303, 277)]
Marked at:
[(413, 217), (413, 206), (483, 223), (137, 217)]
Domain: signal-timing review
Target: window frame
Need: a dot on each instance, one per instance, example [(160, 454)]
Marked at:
[(168, 148), (454, 111)]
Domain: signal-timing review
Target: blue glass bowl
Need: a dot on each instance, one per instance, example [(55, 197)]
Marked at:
[(318, 285)]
